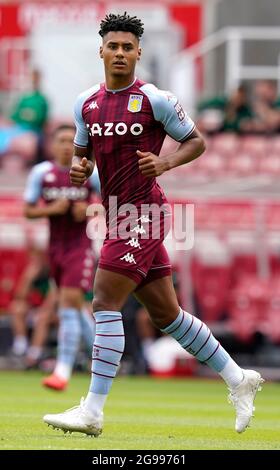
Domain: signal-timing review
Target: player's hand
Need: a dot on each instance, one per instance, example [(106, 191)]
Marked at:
[(80, 172), (79, 210), (150, 165), (59, 207)]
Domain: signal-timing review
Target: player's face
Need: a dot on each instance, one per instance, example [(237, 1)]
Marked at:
[(62, 146), (120, 51)]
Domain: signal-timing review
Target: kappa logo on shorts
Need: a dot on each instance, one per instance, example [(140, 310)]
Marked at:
[(135, 103), (134, 243), (139, 229), (129, 258)]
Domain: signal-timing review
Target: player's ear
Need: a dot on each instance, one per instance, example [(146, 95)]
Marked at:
[(101, 52), (139, 53)]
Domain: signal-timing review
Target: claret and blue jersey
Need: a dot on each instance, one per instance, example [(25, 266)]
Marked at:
[(48, 182), (119, 122)]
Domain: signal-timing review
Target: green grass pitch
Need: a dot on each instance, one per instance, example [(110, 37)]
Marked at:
[(141, 413)]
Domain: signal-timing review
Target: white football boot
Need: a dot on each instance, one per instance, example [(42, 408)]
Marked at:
[(76, 419), (242, 397)]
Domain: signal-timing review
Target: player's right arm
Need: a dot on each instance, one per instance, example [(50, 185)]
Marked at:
[(82, 164), (178, 125), (82, 167), (32, 208), (83, 161)]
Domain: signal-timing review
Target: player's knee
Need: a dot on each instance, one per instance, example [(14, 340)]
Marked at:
[(100, 305), (71, 298), (161, 318), (159, 322), (20, 313)]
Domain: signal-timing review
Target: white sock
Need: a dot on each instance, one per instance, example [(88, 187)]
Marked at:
[(232, 374), (20, 345), (146, 347), (34, 352), (95, 402), (63, 370)]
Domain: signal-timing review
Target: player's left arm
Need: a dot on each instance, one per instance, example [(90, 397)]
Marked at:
[(152, 165), (178, 125), (79, 208)]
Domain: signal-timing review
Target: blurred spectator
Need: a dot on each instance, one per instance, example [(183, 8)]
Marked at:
[(31, 113), (147, 333), (266, 108), (237, 111), (33, 294), (223, 113), (133, 360)]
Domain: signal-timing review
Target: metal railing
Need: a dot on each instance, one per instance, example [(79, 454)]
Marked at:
[(235, 69)]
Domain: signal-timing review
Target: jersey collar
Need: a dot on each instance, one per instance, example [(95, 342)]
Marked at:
[(121, 89)]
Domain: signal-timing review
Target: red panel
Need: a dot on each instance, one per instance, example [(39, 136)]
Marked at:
[(9, 26), (12, 265), (189, 16)]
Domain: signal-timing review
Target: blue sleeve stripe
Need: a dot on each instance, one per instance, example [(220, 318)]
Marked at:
[(82, 146)]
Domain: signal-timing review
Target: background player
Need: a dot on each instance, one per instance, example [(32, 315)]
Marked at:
[(127, 121), (70, 251), (34, 293)]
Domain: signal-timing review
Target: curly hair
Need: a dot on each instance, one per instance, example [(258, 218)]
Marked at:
[(124, 22)]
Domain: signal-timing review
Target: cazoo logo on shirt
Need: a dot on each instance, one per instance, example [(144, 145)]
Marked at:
[(110, 128)]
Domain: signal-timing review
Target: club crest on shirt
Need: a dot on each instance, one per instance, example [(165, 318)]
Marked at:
[(135, 103)]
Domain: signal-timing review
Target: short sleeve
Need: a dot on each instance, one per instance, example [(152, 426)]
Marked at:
[(81, 137), (167, 110), (33, 187)]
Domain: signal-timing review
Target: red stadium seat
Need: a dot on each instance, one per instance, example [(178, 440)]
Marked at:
[(248, 303), (255, 144), (272, 216), (274, 264), (225, 143), (12, 265), (243, 325), (242, 265), (243, 163), (270, 164), (272, 246), (275, 144), (211, 286), (242, 247), (213, 163), (270, 323)]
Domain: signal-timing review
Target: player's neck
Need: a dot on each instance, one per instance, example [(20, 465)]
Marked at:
[(118, 83)]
